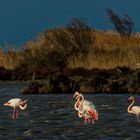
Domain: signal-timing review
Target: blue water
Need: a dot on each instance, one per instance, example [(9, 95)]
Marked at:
[(52, 117)]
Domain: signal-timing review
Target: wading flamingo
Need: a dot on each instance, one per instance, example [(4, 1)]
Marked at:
[(133, 109), (85, 108), (17, 104)]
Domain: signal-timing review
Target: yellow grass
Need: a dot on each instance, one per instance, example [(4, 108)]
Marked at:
[(108, 51)]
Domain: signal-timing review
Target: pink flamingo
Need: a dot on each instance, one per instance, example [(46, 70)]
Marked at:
[(133, 109), (16, 103), (85, 108)]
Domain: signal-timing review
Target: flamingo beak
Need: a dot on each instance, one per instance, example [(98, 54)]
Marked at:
[(75, 94), (6, 104), (129, 100), (76, 97)]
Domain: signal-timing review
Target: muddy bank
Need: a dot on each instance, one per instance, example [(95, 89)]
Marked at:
[(118, 80)]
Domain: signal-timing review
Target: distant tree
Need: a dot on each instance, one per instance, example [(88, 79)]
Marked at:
[(75, 38), (123, 25), (81, 35), (60, 40)]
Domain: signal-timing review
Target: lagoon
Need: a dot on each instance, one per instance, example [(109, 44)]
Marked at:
[(52, 117)]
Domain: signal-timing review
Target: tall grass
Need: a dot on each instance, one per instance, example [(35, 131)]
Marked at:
[(11, 58), (108, 50), (107, 59)]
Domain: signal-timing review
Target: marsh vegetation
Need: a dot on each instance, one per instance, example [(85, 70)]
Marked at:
[(79, 50)]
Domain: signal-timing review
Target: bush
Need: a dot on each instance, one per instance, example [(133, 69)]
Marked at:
[(123, 25)]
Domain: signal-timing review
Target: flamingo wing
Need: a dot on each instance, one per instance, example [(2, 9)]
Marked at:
[(136, 109), (86, 108), (15, 102), (88, 105)]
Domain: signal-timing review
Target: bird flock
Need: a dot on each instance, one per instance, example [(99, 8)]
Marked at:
[(85, 109)]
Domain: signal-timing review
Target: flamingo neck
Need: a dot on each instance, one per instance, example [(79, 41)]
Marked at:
[(80, 114), (22, 107), (82, 98), (76, 106), (81, 103), (130, 106)]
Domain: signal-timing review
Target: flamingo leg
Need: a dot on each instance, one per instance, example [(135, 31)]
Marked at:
[(13, 114), (93, 121), (138, 117), (89, 120), (17, 114), (85, 120)]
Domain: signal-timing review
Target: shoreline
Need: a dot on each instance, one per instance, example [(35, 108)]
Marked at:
[(114, 81)]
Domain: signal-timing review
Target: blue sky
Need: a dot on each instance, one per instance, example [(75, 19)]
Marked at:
[(21, 20)]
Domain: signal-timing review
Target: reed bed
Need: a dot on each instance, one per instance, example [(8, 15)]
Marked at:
[(108, 50)]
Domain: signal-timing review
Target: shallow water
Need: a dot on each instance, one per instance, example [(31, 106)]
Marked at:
[(52, 117)]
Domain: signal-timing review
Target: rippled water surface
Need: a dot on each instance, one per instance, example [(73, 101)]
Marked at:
[(52, 117)]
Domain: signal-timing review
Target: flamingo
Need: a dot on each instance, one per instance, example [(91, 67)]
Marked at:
[(16, 103), (133, 109), (85, 108)]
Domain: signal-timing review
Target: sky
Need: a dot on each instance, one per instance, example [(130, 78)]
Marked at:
[(22, 20)]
